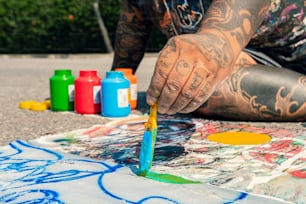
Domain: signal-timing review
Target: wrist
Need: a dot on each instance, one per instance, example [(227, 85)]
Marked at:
[(217, 47)]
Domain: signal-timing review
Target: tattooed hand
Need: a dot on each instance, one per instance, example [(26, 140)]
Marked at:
[(187, 71), (191, 66)]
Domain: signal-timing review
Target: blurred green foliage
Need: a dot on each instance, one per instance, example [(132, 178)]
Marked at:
[(58, 26)]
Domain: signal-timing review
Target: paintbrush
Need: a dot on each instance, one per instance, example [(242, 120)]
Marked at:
[(148, 142)]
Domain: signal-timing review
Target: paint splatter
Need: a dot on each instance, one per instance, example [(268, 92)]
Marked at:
[(183, 150)]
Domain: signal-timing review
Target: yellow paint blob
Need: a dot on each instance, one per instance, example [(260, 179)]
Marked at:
[(239, 138)]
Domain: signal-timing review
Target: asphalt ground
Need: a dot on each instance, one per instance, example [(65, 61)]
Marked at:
[(26, 77)]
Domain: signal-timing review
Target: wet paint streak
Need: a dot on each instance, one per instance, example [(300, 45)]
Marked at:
[(241, 197), (165, 178), (168, 178)]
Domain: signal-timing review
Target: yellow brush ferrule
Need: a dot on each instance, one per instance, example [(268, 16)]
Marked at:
[(152, 121)]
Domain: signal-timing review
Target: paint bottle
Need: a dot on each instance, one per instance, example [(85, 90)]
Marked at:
[(87, 92), (115, 95), (128, 73), (62, 90)]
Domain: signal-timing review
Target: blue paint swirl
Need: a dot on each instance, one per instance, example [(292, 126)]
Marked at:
[(241, 196), (31, 167), (42, 196)]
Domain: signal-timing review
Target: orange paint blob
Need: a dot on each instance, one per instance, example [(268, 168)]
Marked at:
[(239, 138)]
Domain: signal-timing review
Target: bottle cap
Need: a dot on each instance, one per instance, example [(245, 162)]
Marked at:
[(88, 72), (114, 74), (36, 106), (125, 70), (25, 104), (47, 103), (62, 72)]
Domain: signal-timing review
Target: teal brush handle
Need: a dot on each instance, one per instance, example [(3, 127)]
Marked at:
[(147, 151)]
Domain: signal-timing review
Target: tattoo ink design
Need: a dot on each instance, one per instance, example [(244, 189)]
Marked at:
[(183, 68), (132, 33), (237, 20), (185, 16), (266, 26), (249, 94), (197, 80)]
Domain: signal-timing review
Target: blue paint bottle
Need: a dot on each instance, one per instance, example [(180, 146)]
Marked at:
[(115, 95)]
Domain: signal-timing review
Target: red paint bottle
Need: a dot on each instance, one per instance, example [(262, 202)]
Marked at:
[(87, 92)]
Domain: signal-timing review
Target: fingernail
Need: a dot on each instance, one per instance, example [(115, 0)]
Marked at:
[(162, 111), (169, 112), (151, 100)]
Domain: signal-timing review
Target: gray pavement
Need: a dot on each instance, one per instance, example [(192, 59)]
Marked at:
[(25, 77)]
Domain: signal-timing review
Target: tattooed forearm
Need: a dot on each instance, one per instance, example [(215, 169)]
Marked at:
[(214, 50), (217, 50), (236, 20), (256, 93), (132, 35)]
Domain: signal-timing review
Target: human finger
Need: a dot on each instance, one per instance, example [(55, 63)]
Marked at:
[(207, 88), (194, 84), (163, 67), (174, 84)]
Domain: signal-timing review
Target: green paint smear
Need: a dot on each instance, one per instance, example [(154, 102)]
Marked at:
[(168, 178), (69, 139)]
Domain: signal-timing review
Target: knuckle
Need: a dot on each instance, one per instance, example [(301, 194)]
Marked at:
[(186, 110), (173, 85), (160, 74), (163, 62), (205, 90), (197, 102), (153, 92), (187, 94)]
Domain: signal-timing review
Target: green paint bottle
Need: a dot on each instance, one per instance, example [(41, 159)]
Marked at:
[(62, 90)]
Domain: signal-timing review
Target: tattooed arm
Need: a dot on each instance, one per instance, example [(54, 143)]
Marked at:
[(132, 34), (259, 93), (191, 66)]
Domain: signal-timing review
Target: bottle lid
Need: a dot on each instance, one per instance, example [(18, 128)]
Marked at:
[(25, 104), (125, 70), (114, 74), (47, 103), (62, 72), (88, 72), (34, 105)]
